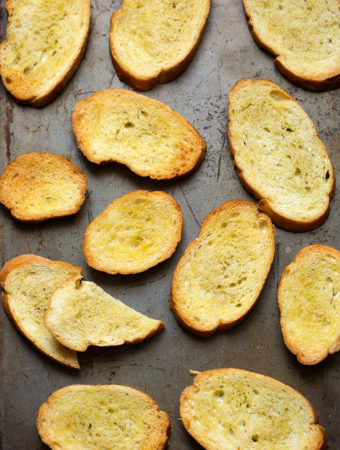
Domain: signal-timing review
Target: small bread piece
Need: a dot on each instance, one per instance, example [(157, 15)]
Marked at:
[(41, 186), (80, 417), (294, 31), (28, 282), (135, 232), (236, 409), (144, 134), (278, 155), (44, 46), (222, 273), (153, 41), (309, 302)]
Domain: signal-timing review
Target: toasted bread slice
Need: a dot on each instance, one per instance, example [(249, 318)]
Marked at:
[(80, 417), (222, 273), (28, 281), (309, 302), (135, 232), (41, 186), (44, 45), (152, 42), (147, 136), (236, 409), (294, 33), (278, 155)]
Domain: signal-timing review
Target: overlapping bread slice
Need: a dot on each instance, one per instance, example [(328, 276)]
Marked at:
[(278, 155), (309, 301), (80, 314), (236, 409), (28, 281), (222, 273), (81, 417), (144, 134)]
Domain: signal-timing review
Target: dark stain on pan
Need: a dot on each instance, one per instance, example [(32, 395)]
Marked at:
[(7, 128)]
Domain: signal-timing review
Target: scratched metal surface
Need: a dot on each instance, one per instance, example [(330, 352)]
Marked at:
[(161, 365)]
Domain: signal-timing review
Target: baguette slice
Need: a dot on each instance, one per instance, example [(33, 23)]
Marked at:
[(80, 314), (309, 302), (236, 409), (80, 417), (45, 43), (41, 186), (222, 273), (278, 155), (294, 32), (153, 41), (135, 232), (144, 134), (28, 281)]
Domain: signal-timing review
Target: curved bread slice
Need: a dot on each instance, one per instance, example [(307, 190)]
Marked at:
[(309, 301), (152, 42), (294, 32), (278, 155), (144, 134), (44, 45), (222, 273), (236, 409), (41, 186), (135, 232), (28, 281), (102, 417)]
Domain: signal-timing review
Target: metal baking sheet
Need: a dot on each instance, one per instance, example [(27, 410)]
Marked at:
[(159, 366)]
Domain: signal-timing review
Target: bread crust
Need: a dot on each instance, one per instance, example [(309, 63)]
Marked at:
[(264, 204)]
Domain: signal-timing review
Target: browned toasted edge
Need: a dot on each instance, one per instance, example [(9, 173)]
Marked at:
[(41, 417), (14, 264), (79, 174), (306, 359), (91, 261), (207, 332), (50, 95), (287, 223), (200, 378), (165, 75), (142, 98), (309, 84)]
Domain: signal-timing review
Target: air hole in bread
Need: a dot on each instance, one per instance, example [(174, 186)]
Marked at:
[(278, 95), (263, 226), (129, 125), (327, 175), (219, 393), (255, 437)]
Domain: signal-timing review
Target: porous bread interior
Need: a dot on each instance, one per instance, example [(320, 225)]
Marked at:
[(305, 34), (147, 136), (278, 152), (233, 410), (84, 314), (153, 35)]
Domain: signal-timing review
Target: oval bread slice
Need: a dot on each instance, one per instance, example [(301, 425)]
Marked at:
[(43, 48), (309, 301), (135, 232), (152, 42), (278, 155), (81, 417), (144, 134), (222, 273), (41, 186), (28, 281), (236, 409)]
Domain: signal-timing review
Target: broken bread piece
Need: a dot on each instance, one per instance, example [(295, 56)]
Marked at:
[(102, 417), (152, 42), (43, 48), (222, 273), (28, 281), (236, 409), (144, 134), (41, 186), (135, 232), (309, 302), (278, 155)]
